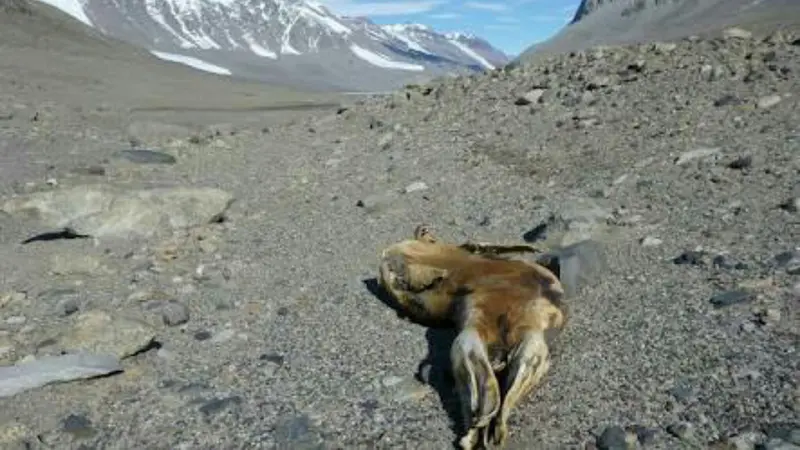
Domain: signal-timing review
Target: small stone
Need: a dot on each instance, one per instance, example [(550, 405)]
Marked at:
[(391, 381), (742, 162), (94, 170), (650, 241), (733, 297), (415, 186), (789, 261), (75, 264), (13, 433), (787, 431), (748, 327), (202, 335), (223, 336), (614, 438), (664, 47), (273, 358), (16, 320), (12, 297), (297, 432), (791, 205), (727, 263), (744, 441), (690, 257), (644, 435), (174, 313), (218, 405), (69, 306), (533, 96), (737, 33), (778, 444), (769, 316), (376, 202), (598, 82), (681, 392), (681, 430), (147, 156), (386, 141), (727, 100), (7, 350), (768, 101), (78, 426), (100, 332), (698, 153)]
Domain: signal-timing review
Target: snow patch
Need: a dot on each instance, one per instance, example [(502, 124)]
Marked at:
[(72, 7), (191, 62), (154, 12), (472, 54), (458, 36), (379, 60), (326, 21), (258, 49), (400, 34)]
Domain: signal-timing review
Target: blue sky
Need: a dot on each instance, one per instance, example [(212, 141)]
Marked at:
[(510, 25)]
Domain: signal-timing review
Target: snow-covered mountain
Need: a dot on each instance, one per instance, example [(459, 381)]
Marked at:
[(296, 42)]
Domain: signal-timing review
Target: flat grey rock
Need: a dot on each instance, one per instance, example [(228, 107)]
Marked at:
[(104, 211), (55, 369)]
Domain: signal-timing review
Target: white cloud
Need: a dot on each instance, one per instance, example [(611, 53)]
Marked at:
[(371, 9), (487, 6)]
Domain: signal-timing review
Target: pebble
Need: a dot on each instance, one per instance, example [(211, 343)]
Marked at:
[(789, 261), (613, 438), (218, 405), (101, 332), (530, 97), (691, 257), (732, 297), (386, 141), (415, 186), (174, 313), (78, 426), (768, 101), (12, 297), (791, 205), (744, 441), (737, 33), (650, 241), (769, 316), (16, 320), (223, 336), (698, 153), (681, 430)]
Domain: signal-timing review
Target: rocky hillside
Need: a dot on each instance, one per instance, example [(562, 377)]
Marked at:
[(240, 310), (615, 22), (286, 42)]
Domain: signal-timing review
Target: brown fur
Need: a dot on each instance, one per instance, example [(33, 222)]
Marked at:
[(506, 311)]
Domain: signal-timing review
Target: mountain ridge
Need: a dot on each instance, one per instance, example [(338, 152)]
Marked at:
[(299, 42), (623, 22)]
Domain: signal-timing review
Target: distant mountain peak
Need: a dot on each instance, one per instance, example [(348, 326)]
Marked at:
[(299, 41)]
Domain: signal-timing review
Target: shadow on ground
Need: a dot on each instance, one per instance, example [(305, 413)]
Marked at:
[(434, 369)]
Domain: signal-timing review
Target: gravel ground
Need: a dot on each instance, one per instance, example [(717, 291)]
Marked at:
[(261, 330)]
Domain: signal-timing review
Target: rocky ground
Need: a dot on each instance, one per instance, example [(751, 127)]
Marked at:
[(228, 261)]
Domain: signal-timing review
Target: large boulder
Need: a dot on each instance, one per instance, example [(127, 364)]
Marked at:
[(105, 211)]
